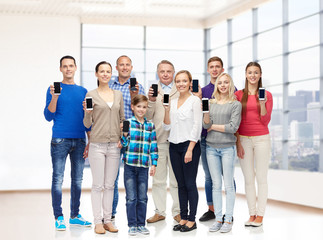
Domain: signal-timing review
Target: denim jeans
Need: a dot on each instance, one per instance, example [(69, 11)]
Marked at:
[(222, 161), (60, 148), (185, 174), (136, 184), (208, 179), (115, 191)]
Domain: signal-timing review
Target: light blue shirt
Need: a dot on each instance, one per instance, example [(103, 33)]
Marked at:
[(166, 88)]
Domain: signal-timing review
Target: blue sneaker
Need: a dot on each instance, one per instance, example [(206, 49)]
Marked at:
[(80, 221), (60, 224), (132, 231), (143, 230)]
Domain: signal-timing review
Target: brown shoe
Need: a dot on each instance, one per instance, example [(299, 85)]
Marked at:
[(177, 218), (99, 229), (155, 218), (110, 227)]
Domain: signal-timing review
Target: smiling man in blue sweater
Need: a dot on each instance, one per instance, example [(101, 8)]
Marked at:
[(68, 138)]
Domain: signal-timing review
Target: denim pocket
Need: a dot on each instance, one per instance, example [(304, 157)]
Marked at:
[(57, 140)]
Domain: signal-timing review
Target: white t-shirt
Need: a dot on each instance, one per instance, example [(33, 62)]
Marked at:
[(186, 121)]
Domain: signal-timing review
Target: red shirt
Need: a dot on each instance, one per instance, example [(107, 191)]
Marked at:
[(252, 124)]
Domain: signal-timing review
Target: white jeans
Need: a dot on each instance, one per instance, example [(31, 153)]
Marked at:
[(104, 162), (159, 187), (255, 166)]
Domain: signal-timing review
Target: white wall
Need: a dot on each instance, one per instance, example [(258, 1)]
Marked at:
[(30, 50)]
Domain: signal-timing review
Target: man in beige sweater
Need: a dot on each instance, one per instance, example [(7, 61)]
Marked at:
[(155, 112)]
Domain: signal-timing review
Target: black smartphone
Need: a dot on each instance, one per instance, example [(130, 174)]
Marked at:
[(57, 88), (261, 93), (155, 88), (205, 105), (195, 85), (166, 99), (125, 126), (133, 82), (89, 103)]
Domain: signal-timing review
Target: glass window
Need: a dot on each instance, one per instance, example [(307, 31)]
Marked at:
[(272, 71), (242, 26), (239, 77), (277, 149), (303, 153), (191, 61), (277, 93), (221, 53), (242, 52), (301, 8), (302, 93), (304, 64), (219, 35), (304, 33), (270, 43), (175, 38), (270, 15), (112, 36)]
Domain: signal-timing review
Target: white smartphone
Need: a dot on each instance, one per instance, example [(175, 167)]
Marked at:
[(166, 99), (205, 105), (261, 94), (89, 103)]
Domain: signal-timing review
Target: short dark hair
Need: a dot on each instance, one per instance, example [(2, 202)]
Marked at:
[(138, 99), (98, 65), (215, 59), (66, 57)]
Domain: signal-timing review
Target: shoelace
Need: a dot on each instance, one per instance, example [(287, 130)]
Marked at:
[(60, 222)]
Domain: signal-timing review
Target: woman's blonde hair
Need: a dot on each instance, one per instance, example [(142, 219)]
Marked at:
[(216, 93)]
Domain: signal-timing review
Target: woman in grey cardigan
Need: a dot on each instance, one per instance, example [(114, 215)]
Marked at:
[(222, 121)]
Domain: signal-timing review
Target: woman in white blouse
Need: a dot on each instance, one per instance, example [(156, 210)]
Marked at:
[(183, 117)]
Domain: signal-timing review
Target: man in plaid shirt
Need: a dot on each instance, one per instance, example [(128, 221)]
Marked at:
[(122, 83)]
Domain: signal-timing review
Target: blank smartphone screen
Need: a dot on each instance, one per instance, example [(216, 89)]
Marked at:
[(133, 82), (125, 126), (166, 98), (205, 105), (195, 85), (155, 88), (57, 86), (261, 93), (89, 104)]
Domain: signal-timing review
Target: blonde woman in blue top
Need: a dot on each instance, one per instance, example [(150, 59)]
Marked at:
[(222, 122), (141, 153)]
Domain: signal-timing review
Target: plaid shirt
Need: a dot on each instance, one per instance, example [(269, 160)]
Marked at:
[(141, 143), (126, 94)]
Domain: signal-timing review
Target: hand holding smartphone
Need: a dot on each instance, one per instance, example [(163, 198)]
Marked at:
[(205, 105), (262, 94), (155, 88), (89, 103), (133, 82), (57, 88), (166, 99), (125, 127)]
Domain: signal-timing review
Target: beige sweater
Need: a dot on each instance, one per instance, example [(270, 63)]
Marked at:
[(156, 112), (105, 121)]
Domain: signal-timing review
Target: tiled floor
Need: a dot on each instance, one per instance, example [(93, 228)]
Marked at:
[(28, 215)]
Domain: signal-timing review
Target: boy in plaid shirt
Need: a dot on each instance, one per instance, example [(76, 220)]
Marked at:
[(141, 153)]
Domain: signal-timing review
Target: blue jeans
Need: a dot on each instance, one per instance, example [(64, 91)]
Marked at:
[(115, 191), (208, 179), (222, 160), (136, 184), (60, 148)]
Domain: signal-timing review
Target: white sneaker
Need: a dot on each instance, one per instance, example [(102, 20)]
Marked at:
[(215, 227), (226, 227)]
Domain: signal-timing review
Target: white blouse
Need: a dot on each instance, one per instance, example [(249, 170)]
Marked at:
[(186, 121)]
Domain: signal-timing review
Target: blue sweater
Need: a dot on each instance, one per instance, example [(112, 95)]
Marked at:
[(68, 118)]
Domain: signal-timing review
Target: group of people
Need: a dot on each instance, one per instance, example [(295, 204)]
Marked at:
[(165, 141)]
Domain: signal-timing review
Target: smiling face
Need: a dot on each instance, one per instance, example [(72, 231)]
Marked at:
[(253, 74), (68, 69), (104, 73), (183, 83), (124, 67), (140, 109), (165, 73), (215, 68), (223, 84)]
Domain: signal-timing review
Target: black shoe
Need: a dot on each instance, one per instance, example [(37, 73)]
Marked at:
[(187, 229), (178, 227), (207, 216)]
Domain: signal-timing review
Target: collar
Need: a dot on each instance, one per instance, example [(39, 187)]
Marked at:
[(135, 119), (116, 81)]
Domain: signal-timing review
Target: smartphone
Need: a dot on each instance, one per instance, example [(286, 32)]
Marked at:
[(195, 85), (155, 88), (57, 86), (261, 93), (125, 126), (133, 82), (166, 99), (205, 105), (89, 103)]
